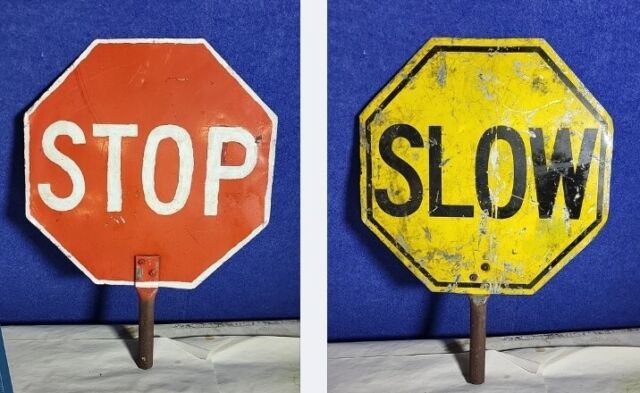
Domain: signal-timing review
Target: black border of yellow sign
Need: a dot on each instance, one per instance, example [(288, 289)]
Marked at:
[(489, 49)]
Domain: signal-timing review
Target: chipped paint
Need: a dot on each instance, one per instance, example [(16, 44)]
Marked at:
[(461, 105)]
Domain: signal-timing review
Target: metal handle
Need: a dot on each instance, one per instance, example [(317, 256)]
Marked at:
[(147, 274), (478, 305), (146, 308)]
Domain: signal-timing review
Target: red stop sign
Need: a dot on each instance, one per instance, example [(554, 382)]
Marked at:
[(149, 147)]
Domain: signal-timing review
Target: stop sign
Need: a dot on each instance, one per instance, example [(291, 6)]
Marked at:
[(485, 165), (149, 147)]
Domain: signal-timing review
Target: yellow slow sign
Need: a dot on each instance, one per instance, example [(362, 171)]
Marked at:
[(485, 165)]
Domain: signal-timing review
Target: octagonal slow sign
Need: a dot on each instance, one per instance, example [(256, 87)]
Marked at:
[(153, 151), (485, 165)]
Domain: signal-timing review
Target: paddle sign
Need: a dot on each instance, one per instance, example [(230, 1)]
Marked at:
[(149, 162), (485, 169), (485, 165), (149, 147)]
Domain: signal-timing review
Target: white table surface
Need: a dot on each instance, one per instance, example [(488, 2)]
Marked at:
[(221, 357), (583, 362)]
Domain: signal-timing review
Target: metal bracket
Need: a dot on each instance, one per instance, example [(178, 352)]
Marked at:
[(147, 271)]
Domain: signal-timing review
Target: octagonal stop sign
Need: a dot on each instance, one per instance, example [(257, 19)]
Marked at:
[(149, 147), (485, 165)]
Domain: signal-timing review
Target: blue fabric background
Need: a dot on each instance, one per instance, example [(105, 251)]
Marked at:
[(373, 296), (38, 41)]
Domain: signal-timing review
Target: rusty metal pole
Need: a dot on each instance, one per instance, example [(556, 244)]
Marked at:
[(146, 308), (147, 273), (478, 305)]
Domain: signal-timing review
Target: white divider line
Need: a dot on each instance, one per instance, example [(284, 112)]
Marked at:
[(313, 184)]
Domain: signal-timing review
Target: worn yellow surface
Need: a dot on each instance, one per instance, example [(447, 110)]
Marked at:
[(468, 86)]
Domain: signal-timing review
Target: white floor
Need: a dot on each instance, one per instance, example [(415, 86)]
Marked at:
[(226, 358), (602, 362)]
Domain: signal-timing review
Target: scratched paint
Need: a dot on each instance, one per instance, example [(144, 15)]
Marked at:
[(485, 165)]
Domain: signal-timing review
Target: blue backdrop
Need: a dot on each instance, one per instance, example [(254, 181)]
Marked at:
[(371, 294), (38, 41)]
